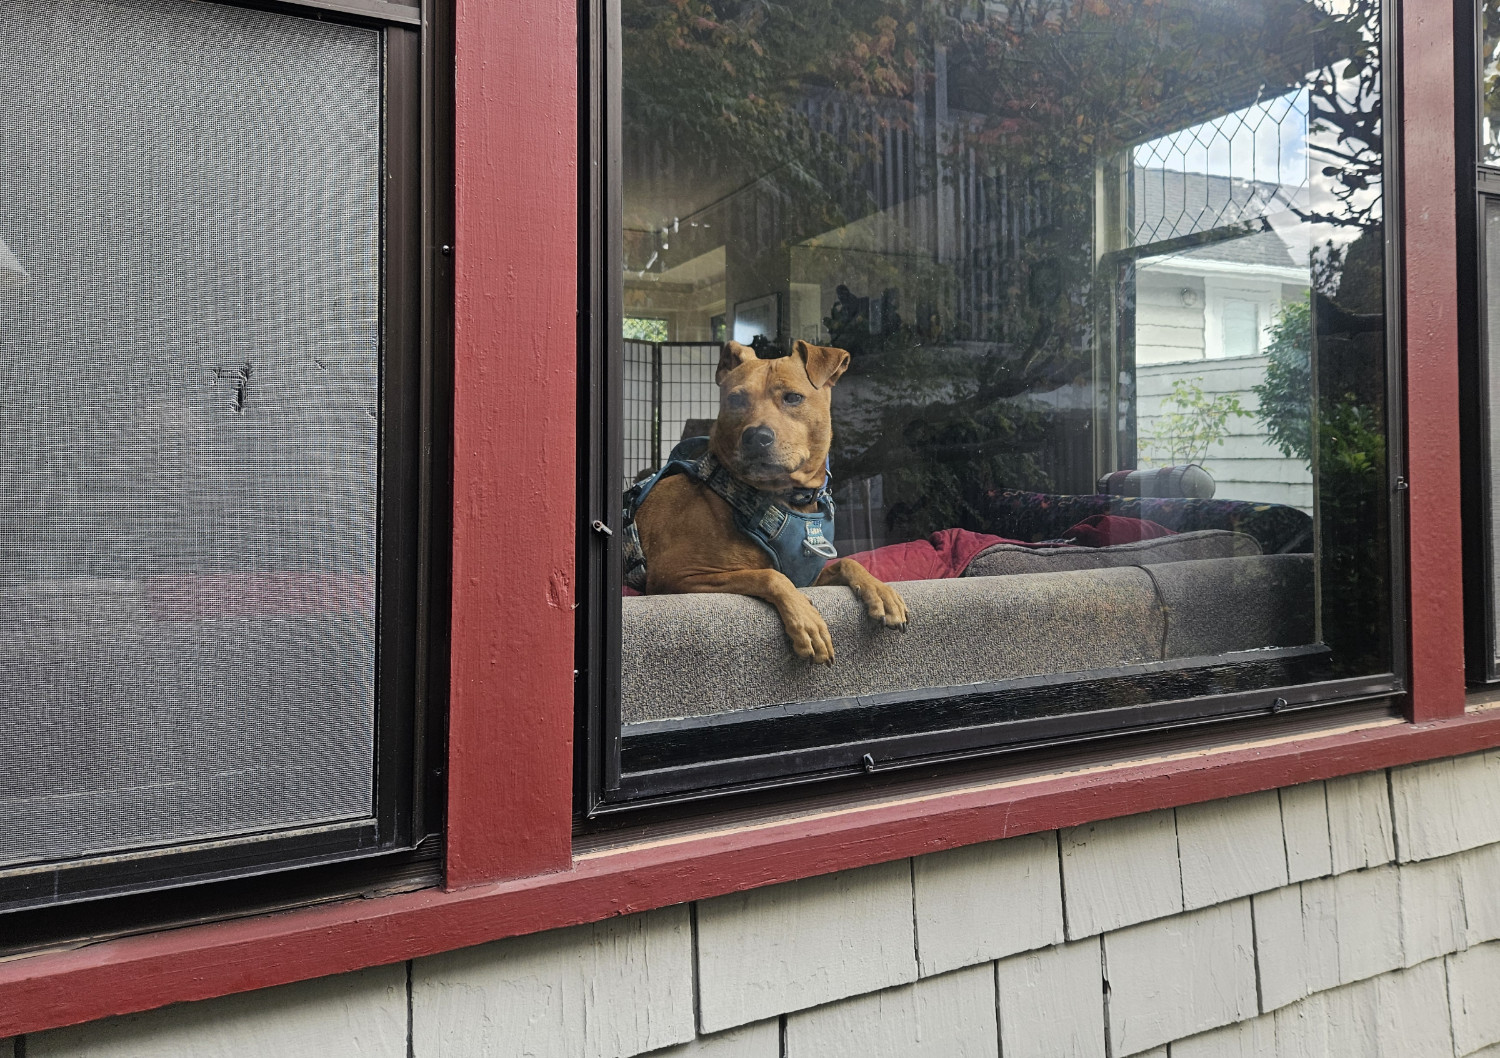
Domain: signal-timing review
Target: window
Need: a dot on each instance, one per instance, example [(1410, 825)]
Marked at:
[(213, 558), (1114, 421), (1480, 144)]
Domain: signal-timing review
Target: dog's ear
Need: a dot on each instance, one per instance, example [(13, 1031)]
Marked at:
[(731, 356), (825, 365)]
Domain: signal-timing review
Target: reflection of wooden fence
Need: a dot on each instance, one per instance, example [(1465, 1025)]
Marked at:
[(667, 385)]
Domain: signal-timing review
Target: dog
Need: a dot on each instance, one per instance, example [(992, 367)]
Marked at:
[(744, 512)]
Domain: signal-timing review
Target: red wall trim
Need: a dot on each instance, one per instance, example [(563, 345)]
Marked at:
[(138, 973), (514, 459), (1431, 308)]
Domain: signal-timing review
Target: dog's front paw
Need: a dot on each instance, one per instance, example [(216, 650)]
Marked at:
[(884, 604), (808, 632)]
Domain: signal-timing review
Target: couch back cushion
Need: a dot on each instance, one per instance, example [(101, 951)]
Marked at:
[(1007, 559), (1036, 516)]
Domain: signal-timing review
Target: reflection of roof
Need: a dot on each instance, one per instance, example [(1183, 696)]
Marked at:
[(1168, 204), (1262, 248)]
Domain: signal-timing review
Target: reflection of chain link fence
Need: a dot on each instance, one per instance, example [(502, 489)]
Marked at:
[(1231, 171)]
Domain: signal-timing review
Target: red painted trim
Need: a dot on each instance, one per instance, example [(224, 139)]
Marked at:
[(139, 973), (514, 458), (1431, 308)]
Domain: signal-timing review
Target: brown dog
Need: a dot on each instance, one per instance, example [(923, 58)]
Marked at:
[(772, 434)]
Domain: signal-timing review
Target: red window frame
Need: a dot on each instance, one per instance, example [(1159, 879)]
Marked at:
[(511, 867)]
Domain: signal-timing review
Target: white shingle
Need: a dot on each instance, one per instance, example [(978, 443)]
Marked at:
[(357, 1015), (1119, 872), (950, 1016), (1255, 1038), (1304, 821), (761, 1040), (1359, 821), (1447, 806), (1351, 1020), (1480, 871), (1180, 976), (1411, 1006), (1052, 1003), (1231, 848), (1290, 963), (1367, 909), (788, 947), (606, 990), (1432, 910), (984, 902), (1474, 998)]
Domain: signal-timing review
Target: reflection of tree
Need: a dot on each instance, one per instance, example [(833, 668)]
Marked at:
[(1344, 100), (975, 369)]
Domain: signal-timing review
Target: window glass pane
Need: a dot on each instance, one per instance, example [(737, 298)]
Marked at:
[(1104, 271), (1492, 348), (1489, 83), (189, 367)]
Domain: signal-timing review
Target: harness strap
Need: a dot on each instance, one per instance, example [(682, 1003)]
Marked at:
[(799, 555)]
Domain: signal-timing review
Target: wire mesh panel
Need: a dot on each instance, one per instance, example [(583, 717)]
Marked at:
[(668, 385), (189, 392), (688, 391), (640, 411)]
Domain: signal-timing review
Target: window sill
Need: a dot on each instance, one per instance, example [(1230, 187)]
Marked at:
[(125, 975)]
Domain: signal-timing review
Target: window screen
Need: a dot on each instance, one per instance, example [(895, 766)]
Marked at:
[(189, 420)]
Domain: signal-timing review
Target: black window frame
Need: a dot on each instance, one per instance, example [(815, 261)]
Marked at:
[(761, 764), (399, 844)]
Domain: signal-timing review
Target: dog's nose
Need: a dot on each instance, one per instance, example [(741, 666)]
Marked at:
[(757, 439)]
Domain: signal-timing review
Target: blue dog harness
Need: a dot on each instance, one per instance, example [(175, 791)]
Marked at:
[(799, 544)]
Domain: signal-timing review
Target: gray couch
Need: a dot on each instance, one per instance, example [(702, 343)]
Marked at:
[(1016, 613)]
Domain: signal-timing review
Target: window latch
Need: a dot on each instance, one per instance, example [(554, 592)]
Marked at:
[(1401, 485), (601, 528)]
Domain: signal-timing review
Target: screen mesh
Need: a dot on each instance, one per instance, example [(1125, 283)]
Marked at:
[(188, 422)]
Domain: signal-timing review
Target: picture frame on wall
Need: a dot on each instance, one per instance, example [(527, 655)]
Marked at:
[(757, 317)]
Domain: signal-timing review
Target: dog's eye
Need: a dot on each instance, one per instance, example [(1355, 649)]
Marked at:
[(792, 399)]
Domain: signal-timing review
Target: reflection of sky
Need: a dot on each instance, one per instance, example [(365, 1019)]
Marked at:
[(1264, 142)]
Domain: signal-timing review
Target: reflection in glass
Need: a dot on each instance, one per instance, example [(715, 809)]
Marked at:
[(1489, 83), (1062, 241)]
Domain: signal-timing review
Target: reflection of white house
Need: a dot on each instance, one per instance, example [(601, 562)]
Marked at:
[(1206, 314)]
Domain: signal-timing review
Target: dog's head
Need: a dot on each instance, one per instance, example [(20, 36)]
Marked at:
[(774, 425)]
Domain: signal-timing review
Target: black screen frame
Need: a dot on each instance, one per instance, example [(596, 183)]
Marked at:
[(400, 837), (607, 795)]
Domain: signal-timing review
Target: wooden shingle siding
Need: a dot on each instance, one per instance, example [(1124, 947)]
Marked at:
[(1359, 821), (789, 947), (984, 902), (949, 1016), (1304, 823), (1178, 976), (1432, 910), (360, 1014), (1313, 943), (1231, 848), (761, 1040), (1462, 794), (1052, 1002), (1474, 998), (1120, 871), (1479, 871), (618, 987)]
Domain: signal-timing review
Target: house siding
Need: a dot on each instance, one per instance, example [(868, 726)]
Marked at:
[(1356, 917)]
